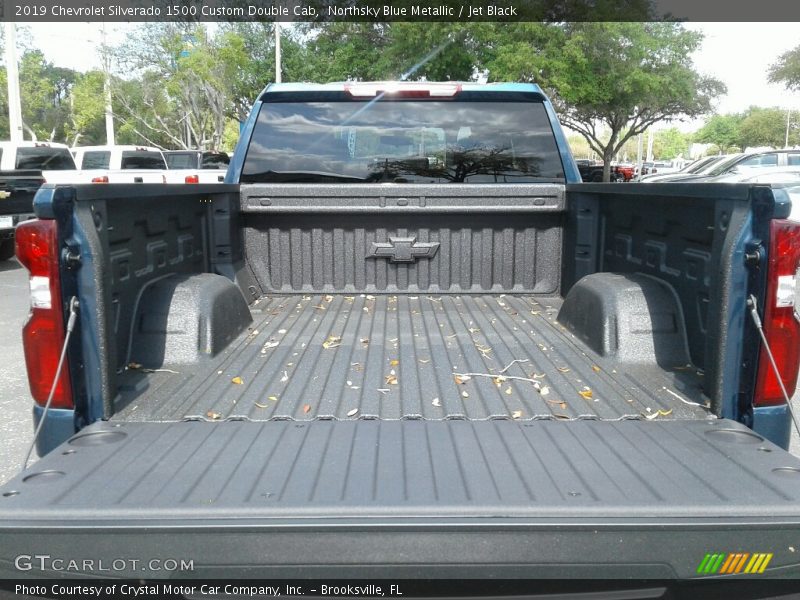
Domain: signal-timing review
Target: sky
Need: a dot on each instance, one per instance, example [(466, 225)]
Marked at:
[(738, 54)]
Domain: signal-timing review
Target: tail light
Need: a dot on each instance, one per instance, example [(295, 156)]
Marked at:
[(191, 179), (781, 321), (43, 334), (100, 179)]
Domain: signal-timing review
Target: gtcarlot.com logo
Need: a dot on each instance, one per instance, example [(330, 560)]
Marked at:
[(732, 563), (45, 562)]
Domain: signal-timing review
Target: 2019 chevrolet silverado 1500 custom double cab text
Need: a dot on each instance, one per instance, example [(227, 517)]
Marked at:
[(402, 340)]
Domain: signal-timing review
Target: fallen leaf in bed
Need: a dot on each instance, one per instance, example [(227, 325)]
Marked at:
[(352, 413), (563, 369), (394, 362), (237, 381), (306, 408), (213, 415), (595, 368), (331, 342), (517, 414), (465, 394), (273, 398), (285, 377), (460, 379), (586, 393), (134, 365), (544, 390), (508, 391), (391, 379), (436, 402), (259, 405)]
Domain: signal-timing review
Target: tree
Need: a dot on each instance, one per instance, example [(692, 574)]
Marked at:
[(624, 77), (721, 130), (765, 127), (670, 143), (87, 110), (786, 70)]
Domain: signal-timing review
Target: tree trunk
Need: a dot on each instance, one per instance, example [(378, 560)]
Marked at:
[(607, 156)]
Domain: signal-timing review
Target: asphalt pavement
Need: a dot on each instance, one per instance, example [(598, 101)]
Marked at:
[(16, 429)]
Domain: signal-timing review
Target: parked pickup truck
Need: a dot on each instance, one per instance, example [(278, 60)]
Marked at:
[(403, 340), (24, 167), (195, 166), (593, 172), (121, 164)]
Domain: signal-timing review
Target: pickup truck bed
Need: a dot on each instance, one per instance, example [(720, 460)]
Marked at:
[(323, 356)]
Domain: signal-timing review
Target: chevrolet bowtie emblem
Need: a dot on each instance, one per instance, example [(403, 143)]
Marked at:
[(403, 249), (4, 194)]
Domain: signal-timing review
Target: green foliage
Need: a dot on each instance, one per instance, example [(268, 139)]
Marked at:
[(618, 77), (766, 127), (786, 70), (670, 143), (723, 131)]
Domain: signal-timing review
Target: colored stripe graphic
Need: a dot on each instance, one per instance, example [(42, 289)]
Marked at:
[(733, 563)]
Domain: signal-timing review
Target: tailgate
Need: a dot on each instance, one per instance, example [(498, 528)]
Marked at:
[(17, 191), (414, 498)]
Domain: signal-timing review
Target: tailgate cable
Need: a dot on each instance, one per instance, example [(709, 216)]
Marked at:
[(753, 305), (73, 316)]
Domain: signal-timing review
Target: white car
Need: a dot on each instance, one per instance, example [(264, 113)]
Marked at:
[(758, 175)]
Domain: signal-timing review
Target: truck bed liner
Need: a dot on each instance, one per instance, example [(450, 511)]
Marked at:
[(395, 357), (567, 498)]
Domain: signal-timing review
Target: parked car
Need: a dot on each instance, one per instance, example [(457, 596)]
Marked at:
[(593, 171), (757, 175), (24, 167), (745, 160), (120, 164), (447, 358), (699, 166), (195, 166)]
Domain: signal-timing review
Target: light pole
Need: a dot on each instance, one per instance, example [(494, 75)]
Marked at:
[(107, 90), (277, 52), (12, 72)]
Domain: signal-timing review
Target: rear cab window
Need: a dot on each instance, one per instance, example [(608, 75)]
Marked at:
[(474, 138), (142, 159), (181, 160), (44, 158), (96, 159)]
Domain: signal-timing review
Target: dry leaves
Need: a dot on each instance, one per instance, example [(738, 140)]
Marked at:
[(517, 414), (391, 380), (306, 408), (259, 405), (465, 394), (352, 413), (658, 413), (394, 362), (436, 402), (213, 415), (333, 341), (563, 369), (595, 368), (237, 381), (461, 379), (586, 393)]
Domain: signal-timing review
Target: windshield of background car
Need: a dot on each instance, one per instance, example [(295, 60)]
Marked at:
[(43, 158), (420, 141), (214, 160)]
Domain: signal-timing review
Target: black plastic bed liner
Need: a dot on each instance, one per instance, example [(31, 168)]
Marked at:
[(404, 357), (539, 498)]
